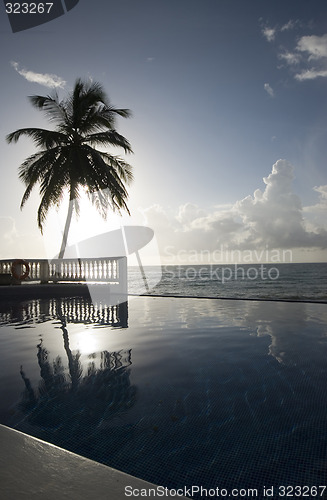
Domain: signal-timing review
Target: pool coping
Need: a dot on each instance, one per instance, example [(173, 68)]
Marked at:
[(32, 468)]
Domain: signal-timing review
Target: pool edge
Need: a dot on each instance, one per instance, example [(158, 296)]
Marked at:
[(32, 468)]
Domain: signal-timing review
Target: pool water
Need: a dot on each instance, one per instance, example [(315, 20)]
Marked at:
[(179, 392)]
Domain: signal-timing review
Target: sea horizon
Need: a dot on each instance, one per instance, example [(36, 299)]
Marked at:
[(292, 281)]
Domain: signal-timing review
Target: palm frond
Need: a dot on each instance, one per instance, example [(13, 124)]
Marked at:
[(38, 169), (42, 138), (124, 113), (101, 118), (109, 138), (32, 170), (52, 191), (54, 109), (106, 177), (85, 97), (124, 170)]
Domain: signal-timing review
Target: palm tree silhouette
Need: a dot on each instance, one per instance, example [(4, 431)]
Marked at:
[(69, 158)]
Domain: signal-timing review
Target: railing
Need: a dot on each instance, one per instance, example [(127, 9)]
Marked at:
[(72, 310), (111, 270)]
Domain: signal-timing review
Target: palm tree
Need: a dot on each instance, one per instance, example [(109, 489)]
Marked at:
[(68, 157)]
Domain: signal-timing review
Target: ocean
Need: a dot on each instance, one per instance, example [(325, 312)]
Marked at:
[(298, 282)]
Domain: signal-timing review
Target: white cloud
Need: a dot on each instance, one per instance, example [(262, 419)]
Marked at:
[(290, 58), (274, 216), (322, 190), (269, 33), (315, 46), (311, 74), (48, 80), (269, 89), (315, 49), (315, 215), (321, 206), (188, 213), (289, 25), (307, 49), (270, 218)]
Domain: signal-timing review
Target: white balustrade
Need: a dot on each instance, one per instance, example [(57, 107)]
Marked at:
[(72, 310), (111, 270)]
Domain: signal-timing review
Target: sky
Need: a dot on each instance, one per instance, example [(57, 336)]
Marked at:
[(229, 101)]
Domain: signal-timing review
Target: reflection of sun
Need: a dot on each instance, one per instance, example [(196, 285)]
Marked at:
[(87, 343)]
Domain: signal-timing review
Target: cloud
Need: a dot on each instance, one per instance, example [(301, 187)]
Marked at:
[(291, 24), (274, 216), (269, 33), (315, 215), (270, 218), (48, 80), (311, 74), (307, 49), (321, 206), (315, 46), (188, 213), (322, 190), (269, 89), (291, 58)]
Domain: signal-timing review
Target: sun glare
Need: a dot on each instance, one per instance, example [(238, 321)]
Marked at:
[(87, 343), (87, 224)]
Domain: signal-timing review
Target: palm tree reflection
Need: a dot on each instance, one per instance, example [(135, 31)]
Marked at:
[(70, 408)]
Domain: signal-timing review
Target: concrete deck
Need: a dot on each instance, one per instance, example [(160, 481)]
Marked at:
[(31, 468)]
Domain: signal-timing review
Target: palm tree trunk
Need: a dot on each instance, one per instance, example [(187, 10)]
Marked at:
[(67, 225)]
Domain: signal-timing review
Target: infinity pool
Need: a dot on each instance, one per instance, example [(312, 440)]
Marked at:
[(180, 392)]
